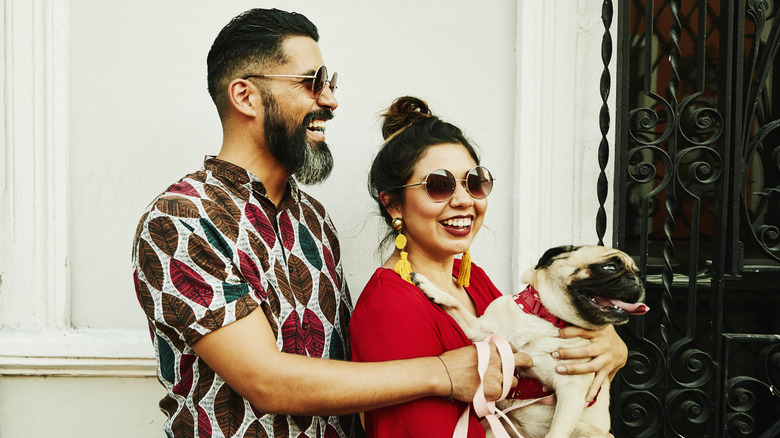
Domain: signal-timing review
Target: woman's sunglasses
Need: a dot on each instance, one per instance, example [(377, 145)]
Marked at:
[(318, 80), (441, 183)]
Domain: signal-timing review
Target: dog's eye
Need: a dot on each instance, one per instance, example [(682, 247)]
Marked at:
[(609, 267)]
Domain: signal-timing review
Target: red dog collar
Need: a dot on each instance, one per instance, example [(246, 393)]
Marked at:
[(529, 301)]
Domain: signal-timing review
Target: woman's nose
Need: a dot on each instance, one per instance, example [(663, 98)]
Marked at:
[(461, 196)]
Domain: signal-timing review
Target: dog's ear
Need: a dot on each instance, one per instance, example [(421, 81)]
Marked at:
[(551, 253)]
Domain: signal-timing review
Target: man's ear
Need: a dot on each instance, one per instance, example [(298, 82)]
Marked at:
[(244, 97), (392, 208)]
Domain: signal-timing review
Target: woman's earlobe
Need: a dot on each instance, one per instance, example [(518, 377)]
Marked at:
[(384, 198), (388, 202)]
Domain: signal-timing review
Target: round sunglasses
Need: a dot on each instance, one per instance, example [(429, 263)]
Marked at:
[(318, 80), (441, 183)]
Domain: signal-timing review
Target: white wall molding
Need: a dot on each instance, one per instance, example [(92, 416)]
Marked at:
[(104, 353), (36, 338), (537, 114), (556, 127), (34, 287)]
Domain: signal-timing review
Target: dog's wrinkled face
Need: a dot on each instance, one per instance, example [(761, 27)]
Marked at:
[(600, 285)]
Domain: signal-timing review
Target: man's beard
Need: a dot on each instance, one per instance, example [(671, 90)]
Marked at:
[(311, 164)]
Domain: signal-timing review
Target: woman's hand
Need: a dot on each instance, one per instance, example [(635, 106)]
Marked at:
[(608, 354)]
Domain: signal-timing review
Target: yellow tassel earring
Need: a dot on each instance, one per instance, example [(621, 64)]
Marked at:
[(464, 273), (402, 267)]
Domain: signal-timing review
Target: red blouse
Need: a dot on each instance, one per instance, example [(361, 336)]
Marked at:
[(392, 320)]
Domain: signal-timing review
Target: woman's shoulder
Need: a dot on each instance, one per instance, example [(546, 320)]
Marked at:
[(385, 284), (384, 277), (387, 300)]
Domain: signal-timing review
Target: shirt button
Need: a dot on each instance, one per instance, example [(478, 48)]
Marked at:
[(304, 326)]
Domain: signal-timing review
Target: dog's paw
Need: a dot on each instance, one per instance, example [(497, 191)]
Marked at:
[(434, 294), (421, 282)]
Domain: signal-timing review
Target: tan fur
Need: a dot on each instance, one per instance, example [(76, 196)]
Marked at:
[(538, 338)]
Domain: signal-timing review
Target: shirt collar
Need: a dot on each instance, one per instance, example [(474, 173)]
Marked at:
[(237, 175)]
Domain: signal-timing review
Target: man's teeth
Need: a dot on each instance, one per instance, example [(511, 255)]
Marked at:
[(317, 125), (459, 223)]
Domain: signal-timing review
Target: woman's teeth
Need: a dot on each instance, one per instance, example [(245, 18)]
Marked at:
[(457, 223)]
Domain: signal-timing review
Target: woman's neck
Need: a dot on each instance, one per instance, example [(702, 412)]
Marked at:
[(438, 272)]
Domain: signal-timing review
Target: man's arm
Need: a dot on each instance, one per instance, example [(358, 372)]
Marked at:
[(245, 355)]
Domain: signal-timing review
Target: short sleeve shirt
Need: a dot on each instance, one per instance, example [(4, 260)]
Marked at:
[(208, 251)]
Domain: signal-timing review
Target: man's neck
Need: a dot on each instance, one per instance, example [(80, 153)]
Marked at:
[(258, 160)]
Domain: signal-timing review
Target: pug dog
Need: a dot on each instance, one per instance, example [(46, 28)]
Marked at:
[(586, 286)]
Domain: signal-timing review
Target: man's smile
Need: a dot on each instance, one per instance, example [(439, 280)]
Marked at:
[(317, 126)]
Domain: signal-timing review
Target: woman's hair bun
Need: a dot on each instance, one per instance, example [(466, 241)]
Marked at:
[(403, 112)]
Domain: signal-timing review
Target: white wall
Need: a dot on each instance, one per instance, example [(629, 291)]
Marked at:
[(140, 117), (105, 104), (80, 407)]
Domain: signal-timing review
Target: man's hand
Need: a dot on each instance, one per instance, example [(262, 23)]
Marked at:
[(462, 367), (608, 353)]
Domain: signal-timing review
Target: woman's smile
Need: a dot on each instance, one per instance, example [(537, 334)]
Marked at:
[(458, 226)]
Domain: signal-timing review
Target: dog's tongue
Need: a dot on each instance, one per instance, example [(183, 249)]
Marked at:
[(631, 309)]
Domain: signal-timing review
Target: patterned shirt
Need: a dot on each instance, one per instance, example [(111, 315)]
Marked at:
[(210, 250)]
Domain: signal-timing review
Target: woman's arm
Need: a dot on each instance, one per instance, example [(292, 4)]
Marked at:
[(607, 351)]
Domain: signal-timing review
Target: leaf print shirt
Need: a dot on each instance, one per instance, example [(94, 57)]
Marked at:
[(208, 251)]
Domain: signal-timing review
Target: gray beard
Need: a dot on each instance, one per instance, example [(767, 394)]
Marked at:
[(317, 164), (310, 164)]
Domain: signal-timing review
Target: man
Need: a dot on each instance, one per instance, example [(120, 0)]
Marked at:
[(239, 271)]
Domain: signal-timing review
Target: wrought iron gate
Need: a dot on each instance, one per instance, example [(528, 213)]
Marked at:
[(697, 203)]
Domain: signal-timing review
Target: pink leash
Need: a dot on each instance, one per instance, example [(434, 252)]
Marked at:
[(482, 407)]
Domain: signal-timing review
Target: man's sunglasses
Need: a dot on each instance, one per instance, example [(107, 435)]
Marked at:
[(441, 183), (318, 80)]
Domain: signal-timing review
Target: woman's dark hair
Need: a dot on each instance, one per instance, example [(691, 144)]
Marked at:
[(409, 129), (252, 39)]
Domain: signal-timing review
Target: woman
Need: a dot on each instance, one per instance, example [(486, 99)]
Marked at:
[(431, 190)]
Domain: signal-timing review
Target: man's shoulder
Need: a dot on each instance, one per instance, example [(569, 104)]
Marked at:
[(314, 203), (179, 199)]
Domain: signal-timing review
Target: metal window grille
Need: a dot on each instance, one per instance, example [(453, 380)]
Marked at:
[(697, 204)]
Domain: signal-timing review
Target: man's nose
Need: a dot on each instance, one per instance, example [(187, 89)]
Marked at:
[(328, 99)]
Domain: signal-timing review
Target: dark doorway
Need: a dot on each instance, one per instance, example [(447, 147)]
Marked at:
[(697, 203)]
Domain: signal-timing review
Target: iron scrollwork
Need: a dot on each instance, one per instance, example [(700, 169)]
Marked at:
[(697, 203)]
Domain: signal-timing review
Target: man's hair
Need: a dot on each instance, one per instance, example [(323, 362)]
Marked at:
[(249, 42)]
